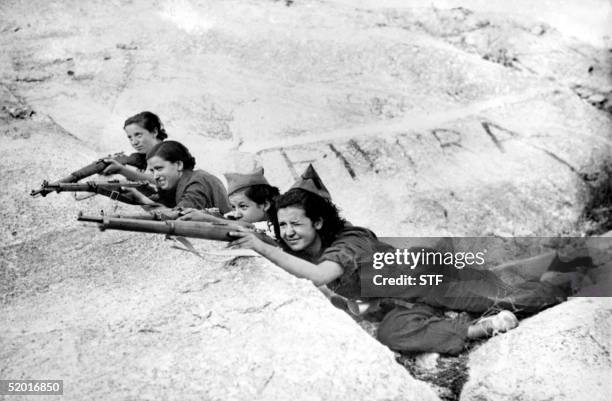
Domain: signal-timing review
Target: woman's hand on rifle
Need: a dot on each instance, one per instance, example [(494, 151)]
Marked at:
[(191, 214), (247, 239), (209, 215), (138, 196), (114, 167)]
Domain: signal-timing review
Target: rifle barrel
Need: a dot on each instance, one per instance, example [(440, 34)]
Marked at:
[(90, 186), (99, 165), (133, 216), (192, 229)]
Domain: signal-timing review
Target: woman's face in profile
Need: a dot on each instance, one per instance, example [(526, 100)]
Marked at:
[(247, 210), (166, 174)]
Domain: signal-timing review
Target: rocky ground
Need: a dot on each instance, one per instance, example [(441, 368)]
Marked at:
[(455, 118)]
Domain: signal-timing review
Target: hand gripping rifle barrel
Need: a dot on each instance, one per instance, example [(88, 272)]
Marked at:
[(189, 229)]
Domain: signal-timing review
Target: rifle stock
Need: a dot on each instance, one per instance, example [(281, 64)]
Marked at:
[(191, 229), (96, 167)]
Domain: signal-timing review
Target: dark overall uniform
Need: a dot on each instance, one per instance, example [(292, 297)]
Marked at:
[(415, 321), (199, 190)]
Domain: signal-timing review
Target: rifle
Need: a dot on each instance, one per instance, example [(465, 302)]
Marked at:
[(193, 229), (135, 159), (173, 214), (153, 216), (110, 188)]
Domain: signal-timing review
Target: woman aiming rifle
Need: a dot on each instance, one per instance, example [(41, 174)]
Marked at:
[(178, 184), (144, 130), (252, 199), (319, 245)]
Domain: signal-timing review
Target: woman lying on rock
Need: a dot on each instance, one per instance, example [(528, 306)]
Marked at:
[(179, 185), (144, 130), (251, 195), (319, 245), (252, 199)]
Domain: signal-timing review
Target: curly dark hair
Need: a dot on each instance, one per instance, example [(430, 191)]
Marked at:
[(315, 208), (150, 122), (262, 193), (173, 152)]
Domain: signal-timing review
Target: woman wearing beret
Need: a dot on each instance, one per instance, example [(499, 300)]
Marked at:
[(253, 200), (319, 245)]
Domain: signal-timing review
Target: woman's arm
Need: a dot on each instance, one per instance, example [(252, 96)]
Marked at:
[(190, 214), (320, 274), (141, 198), (114, 167), (135, 175)]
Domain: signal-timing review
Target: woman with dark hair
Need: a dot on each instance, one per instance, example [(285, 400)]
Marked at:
[(179, 185), (252, 199), (319, 245), (316, 208), (309, 225), (144, 130)]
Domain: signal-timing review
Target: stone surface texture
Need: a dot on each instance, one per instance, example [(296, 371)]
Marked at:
[(456, 118), (562, 353)]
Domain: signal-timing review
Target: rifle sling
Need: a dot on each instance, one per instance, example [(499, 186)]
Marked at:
[(188, 246)]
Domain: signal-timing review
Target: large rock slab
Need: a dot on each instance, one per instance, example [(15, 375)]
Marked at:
[(448, 134), (402, 101), (517, 169), (119, 315), (562, 353), (122, 317), (219, 83)]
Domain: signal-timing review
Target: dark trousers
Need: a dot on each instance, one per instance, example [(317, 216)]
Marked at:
[(424, 328), (478, 291)]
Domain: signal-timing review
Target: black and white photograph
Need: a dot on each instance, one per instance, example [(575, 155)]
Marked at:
[(306, 200)]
